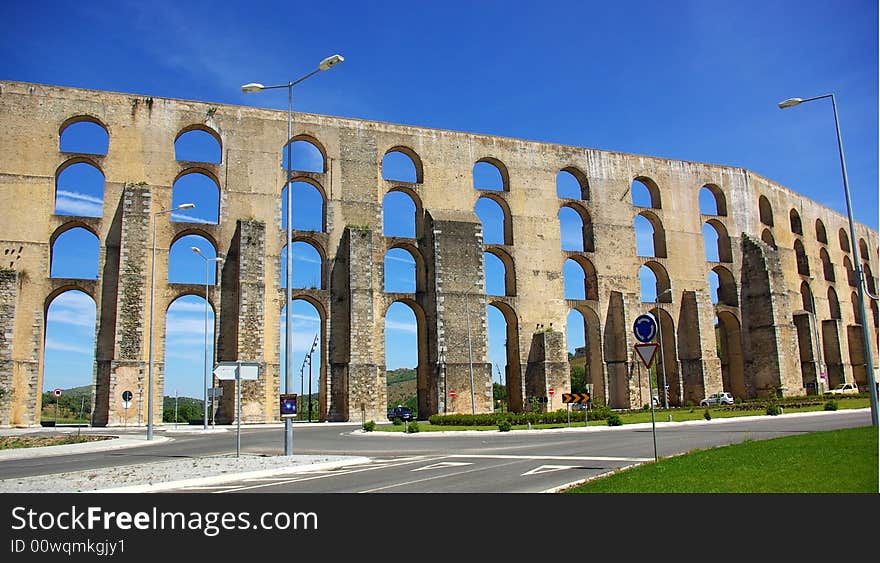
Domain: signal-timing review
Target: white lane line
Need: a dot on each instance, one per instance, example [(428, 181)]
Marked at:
[(443, 476), (548, 469), (442, 464), (552, 457)]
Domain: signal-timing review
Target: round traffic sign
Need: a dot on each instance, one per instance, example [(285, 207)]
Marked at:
[(126, 396), (57, 392), (551, 390), (452, 392), (645, 328)]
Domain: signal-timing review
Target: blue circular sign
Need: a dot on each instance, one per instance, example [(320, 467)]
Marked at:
[(645, 328)]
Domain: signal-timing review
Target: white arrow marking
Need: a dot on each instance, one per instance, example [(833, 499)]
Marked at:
[(442, 464), (547, 469)]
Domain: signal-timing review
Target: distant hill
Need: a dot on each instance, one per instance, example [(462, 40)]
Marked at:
[(401, 386)]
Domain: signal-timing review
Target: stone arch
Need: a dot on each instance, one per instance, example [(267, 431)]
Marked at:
[(856, 308), (658, 235), (199, 186), (75, 252), (591, 352), (199, 141), (729, 338), (184, 266), (414, 176), (309, 205), (767, 238), (79, 188), (419, 281), (712, 201), (572, 183), (426, 405), (491, 204), (765, 211), (831, 351), (827, 266), (722, 241), (803, 263), (616, 353), (850, 272), (312, 156), (667, 358), (584, 272), (70, 318), (509, 270), (482, 173), (807, 298), (308, 319), (513, 369), (794, 220), (576, 228), (833, 304), (857, 356), (869, 279), (397, 203), (863, 250), (843, 238), (821, 233), (727, 291), (84, 134), (642, 184), (308, 251), (655, 272)]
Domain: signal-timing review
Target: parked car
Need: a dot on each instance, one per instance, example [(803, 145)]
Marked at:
[(724, 398), (403, 413), (844, 389)]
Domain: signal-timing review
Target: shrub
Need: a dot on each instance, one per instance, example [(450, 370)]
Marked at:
[(706, 414), (396, 422), (773, 409), (614, 420), (369, 426), (412, 426), (831, 405), (504, 425)]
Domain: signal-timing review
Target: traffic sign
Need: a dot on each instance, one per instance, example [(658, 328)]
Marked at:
[(580, 398), (551, 391), (645, 328), (126, 395), (57, 392), (288, 405), (237, 370), (452, 392), (647, 352), (224, 371)]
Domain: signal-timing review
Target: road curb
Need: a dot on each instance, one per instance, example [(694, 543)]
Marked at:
[(115, 443)]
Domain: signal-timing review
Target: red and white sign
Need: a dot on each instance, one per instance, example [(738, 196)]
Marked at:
[(647, 352), (57, 392), (551, 391), (452, 392)]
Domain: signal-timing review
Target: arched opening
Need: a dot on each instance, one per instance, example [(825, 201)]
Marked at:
[(827, 266), (794, 220), (200, 189), (863, 249), (869, 279), (831, 351), (716, 243), (400, 271), (712, 200), (571, 183), (576, 229), (585, 353), (198, 144), (666, 366), (875, 314), (856, 308), (307, 156), (399, 215), (84, 135), (844, 240), (68, 358), (495, 219), (616, 353), (306, 364), (857, 357), (189, 359), (803, 263), (654, 283), (503, 339), (500, 278), (728, 338), (806, 298), (650, 236), (645, 193), (307, 267), (767, 238), (765, 212), (79, 190), (405, 359), (76, 254), (402, 165), (821, 234), (309, 209), (722, 287), (833, 304), (186, 266), (490, 174), (580, 280), (850, 272)]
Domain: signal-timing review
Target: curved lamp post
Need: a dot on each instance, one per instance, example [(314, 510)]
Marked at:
[(152, 302), (205, 386), (869, 361), (253, 87)]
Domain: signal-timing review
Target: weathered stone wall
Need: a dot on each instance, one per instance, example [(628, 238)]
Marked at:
[(762, 294)]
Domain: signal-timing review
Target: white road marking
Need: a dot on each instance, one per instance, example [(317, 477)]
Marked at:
[(548, 469), (442, 464), (552, 457)]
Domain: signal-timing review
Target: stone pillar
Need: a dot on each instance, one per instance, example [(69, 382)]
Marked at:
[(548, 369), (8, 299), (769, 335), (699, 362)]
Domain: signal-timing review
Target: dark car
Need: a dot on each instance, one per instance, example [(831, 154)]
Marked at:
[(400, 412)]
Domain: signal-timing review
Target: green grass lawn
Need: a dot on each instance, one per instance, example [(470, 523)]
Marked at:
[(839, 461)]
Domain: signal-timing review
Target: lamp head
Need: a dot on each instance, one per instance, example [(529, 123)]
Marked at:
[(789, 103), (251, 87), (195, 249), (186, 206), (330, 61)]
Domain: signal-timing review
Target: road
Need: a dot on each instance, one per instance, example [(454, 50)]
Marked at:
[(510, 462)]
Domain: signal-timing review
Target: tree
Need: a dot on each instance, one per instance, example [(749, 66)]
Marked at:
[(578, 380)]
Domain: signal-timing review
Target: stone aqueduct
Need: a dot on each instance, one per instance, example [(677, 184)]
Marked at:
[(785, 307)]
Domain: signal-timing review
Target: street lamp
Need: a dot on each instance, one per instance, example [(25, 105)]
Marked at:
[(152, 303), (662, 357), (312, 351), (869, 361), (470, 349), (205, 387), (820, 383), (252, 87)]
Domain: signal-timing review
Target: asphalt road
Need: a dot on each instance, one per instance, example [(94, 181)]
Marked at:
[(519, 461)]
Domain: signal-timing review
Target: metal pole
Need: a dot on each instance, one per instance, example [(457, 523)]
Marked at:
[(238, 410), (288, 339), (205, 385), (150, 359), (662, 359), (310, 383), (820, 386), (653, 423), (470, 350), (175, 408), (869, 361)]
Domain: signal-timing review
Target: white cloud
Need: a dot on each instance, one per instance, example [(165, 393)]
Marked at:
[(399, 326), (184, 218), (75, 203), (52, 344)]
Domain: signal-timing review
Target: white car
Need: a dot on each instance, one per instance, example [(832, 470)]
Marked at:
[(844, 389), (724, 398)]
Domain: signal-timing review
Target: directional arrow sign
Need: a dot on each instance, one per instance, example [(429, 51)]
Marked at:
[(576, 398), (647, 352), (225, 371)]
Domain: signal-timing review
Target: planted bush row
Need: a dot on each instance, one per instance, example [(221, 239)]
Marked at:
[(554, 417)]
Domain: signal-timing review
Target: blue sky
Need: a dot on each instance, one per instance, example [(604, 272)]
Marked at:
[(693, 80)]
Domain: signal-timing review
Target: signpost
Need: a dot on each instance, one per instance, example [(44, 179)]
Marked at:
[(213, 393), (57, 394), (644, 329), (238, 371)]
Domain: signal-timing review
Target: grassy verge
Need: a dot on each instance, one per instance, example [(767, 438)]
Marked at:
[(13, 442), (838, 461)]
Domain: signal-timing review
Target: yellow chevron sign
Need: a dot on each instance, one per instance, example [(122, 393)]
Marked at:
[(576, 398)]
